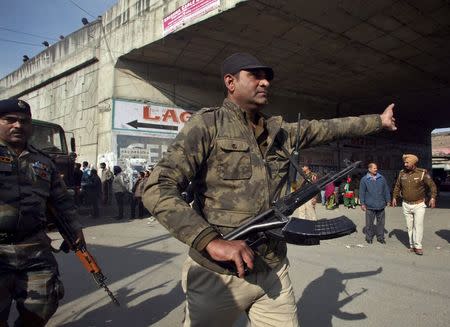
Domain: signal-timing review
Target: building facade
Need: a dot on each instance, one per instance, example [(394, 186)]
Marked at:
[(127, 82)]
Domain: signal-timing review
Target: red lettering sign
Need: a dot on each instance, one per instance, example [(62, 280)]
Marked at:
[(170, 113), (184, 117), (148, 114)]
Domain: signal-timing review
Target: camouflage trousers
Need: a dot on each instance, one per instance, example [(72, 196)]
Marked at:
[(29, 276)]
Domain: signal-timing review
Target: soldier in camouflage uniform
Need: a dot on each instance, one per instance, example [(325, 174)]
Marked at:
[(412, 185), (28, 178), (233, 155)]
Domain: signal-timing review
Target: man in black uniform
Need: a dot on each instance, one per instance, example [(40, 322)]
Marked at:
[(28, 180)]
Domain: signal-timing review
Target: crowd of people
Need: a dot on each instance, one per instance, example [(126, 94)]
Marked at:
[(94, 187), (372, 192)]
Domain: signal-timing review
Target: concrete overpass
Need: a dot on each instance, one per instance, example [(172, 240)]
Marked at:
[(331, 58)]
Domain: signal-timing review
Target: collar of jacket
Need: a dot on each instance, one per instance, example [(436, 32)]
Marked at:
[(28, 148), (369, 176), (272, 123), (405, 171)]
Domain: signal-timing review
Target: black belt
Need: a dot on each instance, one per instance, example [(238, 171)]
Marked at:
[(12, 238)]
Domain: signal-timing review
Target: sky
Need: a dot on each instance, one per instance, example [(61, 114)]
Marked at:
[(25, 24)]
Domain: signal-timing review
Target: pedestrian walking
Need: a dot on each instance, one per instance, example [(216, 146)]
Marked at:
[(412, 186), (94, 192), (120, 190), (375, 196), (86, 171), (349, 193), (106, 177), (331, 196), (137, 190)]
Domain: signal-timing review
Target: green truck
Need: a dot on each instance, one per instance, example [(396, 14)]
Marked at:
[(51, 139)]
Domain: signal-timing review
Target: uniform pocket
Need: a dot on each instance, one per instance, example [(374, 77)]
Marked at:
[(234, 159), (41, 187)]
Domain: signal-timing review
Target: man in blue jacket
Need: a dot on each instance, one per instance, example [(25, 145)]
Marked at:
[(375, 196)]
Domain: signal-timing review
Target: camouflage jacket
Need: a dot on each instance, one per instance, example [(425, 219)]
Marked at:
[(233, 180), (412, 185), (27, 181)]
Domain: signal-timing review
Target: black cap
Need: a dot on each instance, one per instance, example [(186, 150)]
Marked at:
[(244, 61), (14, 105)]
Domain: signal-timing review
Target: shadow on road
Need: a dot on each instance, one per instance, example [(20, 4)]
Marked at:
[(116, 263), (443, 200), (401, 235), (119, 263), (144, 314), (444, 233), (320, 302)]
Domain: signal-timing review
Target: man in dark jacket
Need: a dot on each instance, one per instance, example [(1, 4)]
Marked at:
[(28, 270), (375, 196), (94, 191)]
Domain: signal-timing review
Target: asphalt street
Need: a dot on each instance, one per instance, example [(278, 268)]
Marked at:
[(342, 282)]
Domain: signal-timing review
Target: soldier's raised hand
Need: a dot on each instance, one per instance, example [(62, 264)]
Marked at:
[(387, 118)]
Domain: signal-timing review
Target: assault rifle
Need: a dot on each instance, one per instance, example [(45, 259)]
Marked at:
[(88, 261), (275, 222)]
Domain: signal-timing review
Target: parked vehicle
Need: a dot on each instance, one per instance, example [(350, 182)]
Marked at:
[(51, 139)]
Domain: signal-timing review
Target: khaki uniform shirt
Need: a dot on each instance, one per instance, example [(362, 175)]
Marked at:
[(27, 182), (412, 185), (235, 177)]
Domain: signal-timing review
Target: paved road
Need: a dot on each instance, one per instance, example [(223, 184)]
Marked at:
[(342, 282)]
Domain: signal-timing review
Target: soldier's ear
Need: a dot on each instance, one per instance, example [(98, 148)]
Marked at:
[(229, 81)]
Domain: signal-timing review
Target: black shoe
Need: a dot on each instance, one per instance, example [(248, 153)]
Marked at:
[(369, 241), (382, 241)]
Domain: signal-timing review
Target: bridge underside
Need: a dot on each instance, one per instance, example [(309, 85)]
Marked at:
[(355, 55)]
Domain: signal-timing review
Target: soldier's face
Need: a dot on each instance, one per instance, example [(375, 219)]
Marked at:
[(15, 128), (250, 89), (408, 165)]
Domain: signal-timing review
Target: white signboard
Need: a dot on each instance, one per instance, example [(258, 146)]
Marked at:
[(188, 12), (148, 118)]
